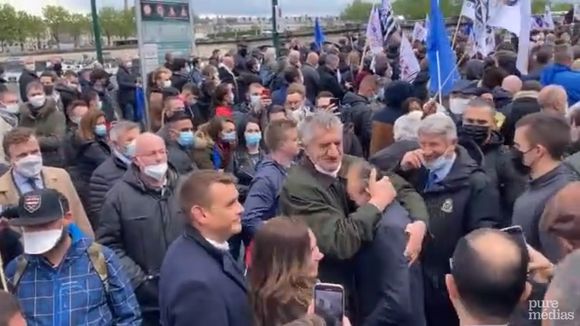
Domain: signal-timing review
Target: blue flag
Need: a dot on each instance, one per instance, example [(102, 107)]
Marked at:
[(319, 37), (439, 53)]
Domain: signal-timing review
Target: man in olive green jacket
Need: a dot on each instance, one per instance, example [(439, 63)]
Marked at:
[(316, 191)]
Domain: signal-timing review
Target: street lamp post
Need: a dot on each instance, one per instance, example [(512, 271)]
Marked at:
[(97, 31), (275, 35)]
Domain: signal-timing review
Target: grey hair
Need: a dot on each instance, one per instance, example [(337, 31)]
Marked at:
[(406, 127), (438, 124), (121, 127), (324, 120), (332, 59)]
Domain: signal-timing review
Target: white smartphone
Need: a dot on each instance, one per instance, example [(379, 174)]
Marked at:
[(329, 303)]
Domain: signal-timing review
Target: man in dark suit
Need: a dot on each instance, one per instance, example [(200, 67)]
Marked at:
[(200, 281)]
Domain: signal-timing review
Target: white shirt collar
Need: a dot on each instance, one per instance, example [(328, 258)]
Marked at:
[(224, 246)]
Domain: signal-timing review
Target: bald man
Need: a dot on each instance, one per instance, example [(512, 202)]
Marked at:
[(490, 293), (311, 76), (512, 84), (140, 218), (553, 98)]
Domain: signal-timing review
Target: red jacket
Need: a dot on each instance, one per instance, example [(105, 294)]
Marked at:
[(223, 111)]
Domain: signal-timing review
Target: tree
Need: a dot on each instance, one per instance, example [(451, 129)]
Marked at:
[(78, 25), (57, 18), (109, 18), (418, 9), (7, 25), (23, 29), (37, 29), (126, 24), (358, 11)]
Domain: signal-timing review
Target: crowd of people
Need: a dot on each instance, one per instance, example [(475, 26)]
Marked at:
[(257, 177)]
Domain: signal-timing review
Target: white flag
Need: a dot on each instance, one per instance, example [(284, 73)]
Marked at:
[(374, 32), (468, 9), (408, 61), (507, 14), (419, 32), (524, 36)]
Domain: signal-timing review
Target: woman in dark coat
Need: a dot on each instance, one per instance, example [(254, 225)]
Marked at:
[(91, 148)]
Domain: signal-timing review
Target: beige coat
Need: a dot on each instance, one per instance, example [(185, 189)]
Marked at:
[(53, 178)]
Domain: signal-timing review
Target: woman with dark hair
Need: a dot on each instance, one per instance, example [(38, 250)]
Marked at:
[(91, 149), (284, 269), (223, 101), (220, 134), (248, 154)]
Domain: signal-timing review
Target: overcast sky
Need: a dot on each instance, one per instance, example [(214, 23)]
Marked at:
[(205, 7)]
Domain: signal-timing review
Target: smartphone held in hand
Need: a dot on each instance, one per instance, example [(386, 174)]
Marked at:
[(329, 303)]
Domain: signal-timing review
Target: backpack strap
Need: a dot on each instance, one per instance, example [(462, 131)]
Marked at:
[(99, 263), (21, 264)]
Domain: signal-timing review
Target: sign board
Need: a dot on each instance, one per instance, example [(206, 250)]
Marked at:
[(163, 26)]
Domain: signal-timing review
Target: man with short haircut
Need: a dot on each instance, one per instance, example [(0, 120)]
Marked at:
[(490, 293), (276, 112), (553, 99), (63, 277), (28, 76), (28, 173), (127, 81), (48, 81), (560, 73), (484, 143), (41, 114), (261, 203), (141, 217), (360, 110), (295, 104), (311, 76), (122, 139), (540, 141), (512, 84), (200, 281), (328, 76), (459, 199), (180, 140), (10, 312), (258, 104), (292, 75), (9, 107)]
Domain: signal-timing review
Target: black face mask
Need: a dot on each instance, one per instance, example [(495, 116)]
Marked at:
[(48, 90), (479, 134), (518, 160)]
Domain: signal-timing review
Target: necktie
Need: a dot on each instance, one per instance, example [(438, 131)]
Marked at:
[(32, 183)]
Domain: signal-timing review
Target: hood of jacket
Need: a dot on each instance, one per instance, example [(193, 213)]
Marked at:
[(353, 99), (397, 92), (495, 140), (501, 97), (525, 94), (474, 69), (64, 89)]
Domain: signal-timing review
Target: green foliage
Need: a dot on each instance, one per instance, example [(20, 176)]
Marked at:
[(7, 24), (357, 11), (57, 19)]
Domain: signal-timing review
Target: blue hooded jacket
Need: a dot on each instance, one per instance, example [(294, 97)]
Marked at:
[(557, 74), (262, 200)]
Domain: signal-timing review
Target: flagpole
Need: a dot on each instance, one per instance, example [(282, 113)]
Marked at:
[(439, 78), (456, 31), (367, 43), (438, 94), (3, 277)]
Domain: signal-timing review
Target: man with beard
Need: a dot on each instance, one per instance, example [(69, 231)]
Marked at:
[(484, 143)]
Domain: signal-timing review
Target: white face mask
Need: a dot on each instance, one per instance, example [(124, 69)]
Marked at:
[(255, 100), (37, 100), (458, 105), (297, 115), (30, 66), (129, 64), (333, 174), (40, 242), (29, 166), (12, 108), (156, 172), (167, 83)]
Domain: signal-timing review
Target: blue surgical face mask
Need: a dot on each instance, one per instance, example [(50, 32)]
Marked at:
[(229, 137), (101, 130), (186, 138), (253, 139), (129, 150), (438, 163)]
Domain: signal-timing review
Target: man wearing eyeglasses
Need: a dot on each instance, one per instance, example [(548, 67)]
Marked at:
[(141, 217)]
